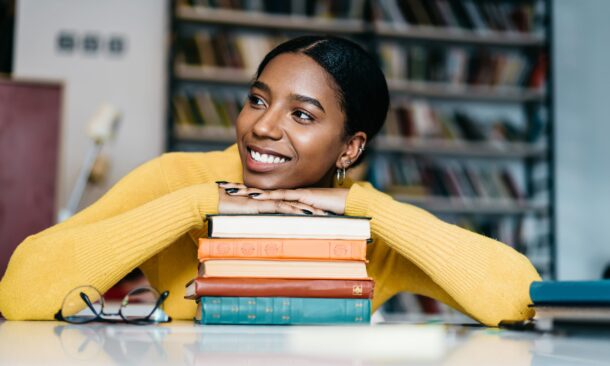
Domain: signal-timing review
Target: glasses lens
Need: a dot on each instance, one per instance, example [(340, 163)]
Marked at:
[(82, 305), (141, 304)]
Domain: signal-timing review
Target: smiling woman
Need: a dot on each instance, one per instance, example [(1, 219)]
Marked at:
[(314, 104)]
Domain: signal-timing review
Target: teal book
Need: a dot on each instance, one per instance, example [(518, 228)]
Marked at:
[(282, 310), (570, 292)]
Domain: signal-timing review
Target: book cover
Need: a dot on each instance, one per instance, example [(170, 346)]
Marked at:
[(278, 287), (282, 310), (570, 292), (282, 249), (283, 269), (289, 226)]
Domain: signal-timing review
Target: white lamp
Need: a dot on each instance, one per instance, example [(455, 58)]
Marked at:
[(102, 128)]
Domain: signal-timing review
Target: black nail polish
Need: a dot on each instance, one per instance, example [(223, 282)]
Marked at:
[(307, 212), (231, 190), (221, 182), (254, 194), (331, 213)]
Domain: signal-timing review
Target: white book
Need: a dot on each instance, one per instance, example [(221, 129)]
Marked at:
[(288, 226)]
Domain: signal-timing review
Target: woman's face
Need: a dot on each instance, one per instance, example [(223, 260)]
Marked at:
[(290, 131)]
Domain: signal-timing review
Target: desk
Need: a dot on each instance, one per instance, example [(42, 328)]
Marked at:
[(182, 342)]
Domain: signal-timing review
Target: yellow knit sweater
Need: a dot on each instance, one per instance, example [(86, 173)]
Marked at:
[(152, 217)]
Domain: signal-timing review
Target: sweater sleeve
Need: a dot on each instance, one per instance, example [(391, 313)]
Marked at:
[(415, 251), (135, 220)]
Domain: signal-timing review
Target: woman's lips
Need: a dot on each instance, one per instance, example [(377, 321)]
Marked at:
[(260, 167)]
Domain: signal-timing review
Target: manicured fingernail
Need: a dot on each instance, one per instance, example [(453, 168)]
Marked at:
[(254, 194), (231, 190), (331, 213), (307, 212)]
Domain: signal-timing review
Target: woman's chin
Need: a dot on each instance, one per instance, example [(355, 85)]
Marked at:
[(260, 182)]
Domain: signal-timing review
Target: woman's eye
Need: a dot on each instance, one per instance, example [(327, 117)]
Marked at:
[(303, 116), (254, 100)]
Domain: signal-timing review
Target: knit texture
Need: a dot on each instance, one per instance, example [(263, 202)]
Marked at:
[(152, 218)]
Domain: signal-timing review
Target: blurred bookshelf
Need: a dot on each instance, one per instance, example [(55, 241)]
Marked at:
[(469, 132)]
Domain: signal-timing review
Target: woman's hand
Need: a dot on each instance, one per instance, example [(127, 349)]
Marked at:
[(231, 203), (320, 201)]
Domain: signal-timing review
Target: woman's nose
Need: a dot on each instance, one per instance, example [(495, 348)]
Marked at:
[(268, 125)]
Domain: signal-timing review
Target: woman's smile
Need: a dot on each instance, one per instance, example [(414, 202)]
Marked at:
[(264, 160)]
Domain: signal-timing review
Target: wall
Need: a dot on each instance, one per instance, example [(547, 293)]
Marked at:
[(56, 39), (582, 74)]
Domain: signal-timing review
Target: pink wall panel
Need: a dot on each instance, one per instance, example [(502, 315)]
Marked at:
[(29, 141)]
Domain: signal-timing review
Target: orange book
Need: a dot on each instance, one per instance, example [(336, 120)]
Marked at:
[(318, 249)]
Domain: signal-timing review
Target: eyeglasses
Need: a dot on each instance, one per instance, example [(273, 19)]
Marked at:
[(140, 306)]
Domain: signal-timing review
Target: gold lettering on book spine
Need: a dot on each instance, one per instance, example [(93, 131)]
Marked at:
[(340, 250), (357, 290)]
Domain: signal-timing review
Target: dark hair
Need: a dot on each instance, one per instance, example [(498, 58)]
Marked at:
[(360, 84)]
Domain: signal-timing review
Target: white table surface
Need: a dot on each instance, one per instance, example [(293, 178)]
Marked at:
[(182, 342)]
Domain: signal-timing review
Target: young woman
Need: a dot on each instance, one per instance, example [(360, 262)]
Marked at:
[(313, 106)]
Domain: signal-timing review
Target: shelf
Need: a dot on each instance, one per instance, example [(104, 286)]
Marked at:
[(211, 74), (465, 92), (235, 76), (354, 26), (204, 134), (458, 35), (492, 150), (268, 21), (481, 206), (217, 134)]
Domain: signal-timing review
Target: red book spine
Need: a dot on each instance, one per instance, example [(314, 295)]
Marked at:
[(272, 287)]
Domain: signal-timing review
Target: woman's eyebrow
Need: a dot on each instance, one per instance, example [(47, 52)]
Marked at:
[(298, 97), (262, 86), (306, 99)]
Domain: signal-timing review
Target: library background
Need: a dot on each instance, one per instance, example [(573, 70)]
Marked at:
[(472, 134)]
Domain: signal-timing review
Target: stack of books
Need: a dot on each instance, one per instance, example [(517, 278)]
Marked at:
[(283, 269), (571, 306)]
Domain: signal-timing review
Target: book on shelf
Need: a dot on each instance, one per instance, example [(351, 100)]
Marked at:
[(278, 287), (221, 49), (460, 66), (346, 270), (418, 119), (279, 248), (479, 16), (206, 114), (289, 226), (322, 9), (444, 179), (282, 310)]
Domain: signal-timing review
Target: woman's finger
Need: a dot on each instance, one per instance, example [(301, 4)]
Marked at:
[(228, 185), (297, 195), (243, 192), (308, 210), (274, 206)]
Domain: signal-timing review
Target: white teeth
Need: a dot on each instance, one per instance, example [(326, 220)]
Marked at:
[(266, 158)]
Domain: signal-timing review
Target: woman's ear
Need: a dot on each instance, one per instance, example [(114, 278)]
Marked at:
[(353, 149)]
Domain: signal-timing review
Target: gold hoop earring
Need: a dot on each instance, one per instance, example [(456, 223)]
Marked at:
[(340, 176)]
